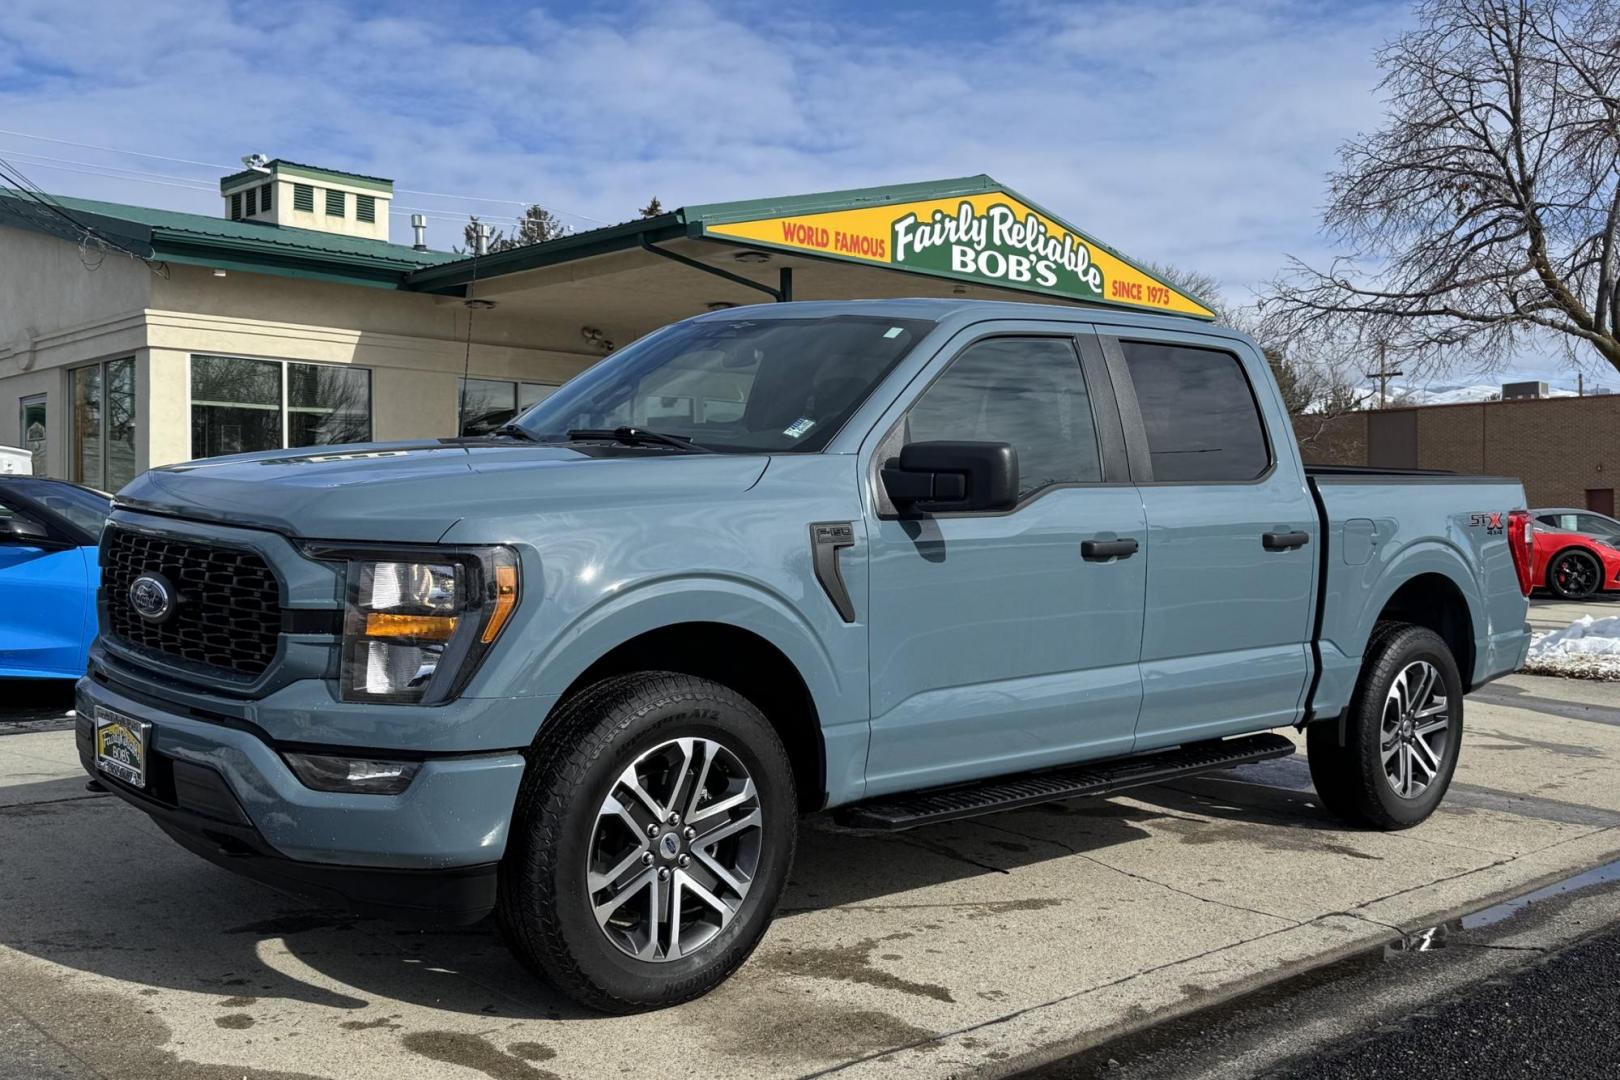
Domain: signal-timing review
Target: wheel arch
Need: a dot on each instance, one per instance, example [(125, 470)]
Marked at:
[(1434, 600), (745, 662)]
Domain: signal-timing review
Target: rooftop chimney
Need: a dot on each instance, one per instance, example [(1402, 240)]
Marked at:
[(285, 193), (419, 232)]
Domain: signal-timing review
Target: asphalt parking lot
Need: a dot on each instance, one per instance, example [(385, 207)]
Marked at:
[(972, 948)]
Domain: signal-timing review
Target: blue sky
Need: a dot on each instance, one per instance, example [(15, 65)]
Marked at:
[(1185, 131)]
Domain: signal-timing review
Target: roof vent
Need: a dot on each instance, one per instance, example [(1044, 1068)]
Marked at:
[(277, 192)]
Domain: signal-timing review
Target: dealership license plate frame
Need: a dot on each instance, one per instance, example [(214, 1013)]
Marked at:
[(132, 739)]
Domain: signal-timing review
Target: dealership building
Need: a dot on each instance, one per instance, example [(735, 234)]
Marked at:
[(291, 320)]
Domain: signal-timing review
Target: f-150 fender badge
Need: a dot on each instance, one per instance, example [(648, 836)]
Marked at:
[(826, 539), (1490, 522)]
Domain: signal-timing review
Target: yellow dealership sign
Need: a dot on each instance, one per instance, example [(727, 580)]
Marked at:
[(992, 237)]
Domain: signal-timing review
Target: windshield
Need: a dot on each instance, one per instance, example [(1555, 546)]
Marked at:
[(734, 385)]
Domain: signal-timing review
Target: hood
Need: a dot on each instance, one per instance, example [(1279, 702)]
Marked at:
[(416, 491)]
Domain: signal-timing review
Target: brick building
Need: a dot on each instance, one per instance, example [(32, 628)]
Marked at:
[(1566, 450)]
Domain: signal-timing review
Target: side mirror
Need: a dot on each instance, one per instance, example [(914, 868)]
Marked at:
[(19, 531), (951, 477)]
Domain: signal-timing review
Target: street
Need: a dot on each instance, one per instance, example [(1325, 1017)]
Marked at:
[(983, 947)]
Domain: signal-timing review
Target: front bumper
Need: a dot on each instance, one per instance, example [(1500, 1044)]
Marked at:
[(225, 793)]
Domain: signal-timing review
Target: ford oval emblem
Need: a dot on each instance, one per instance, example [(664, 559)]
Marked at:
[(151, 597)]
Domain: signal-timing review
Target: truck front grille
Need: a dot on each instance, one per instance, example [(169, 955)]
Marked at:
[(226, 603)]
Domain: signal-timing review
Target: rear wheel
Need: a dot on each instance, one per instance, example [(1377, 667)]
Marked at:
[(653, 834), (1388, 761), (1574, 575)]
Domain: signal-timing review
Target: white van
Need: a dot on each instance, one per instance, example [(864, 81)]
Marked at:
[(15, 462)]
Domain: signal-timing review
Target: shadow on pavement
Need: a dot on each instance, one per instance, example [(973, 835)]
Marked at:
[(90, 884)]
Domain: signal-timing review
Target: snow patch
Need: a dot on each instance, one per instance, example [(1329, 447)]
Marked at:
[(1587, 648)]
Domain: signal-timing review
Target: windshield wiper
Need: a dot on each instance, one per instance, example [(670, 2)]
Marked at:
[(635, 435), (516, 432)]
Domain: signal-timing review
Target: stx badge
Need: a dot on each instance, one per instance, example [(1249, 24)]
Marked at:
[(1491, 523)]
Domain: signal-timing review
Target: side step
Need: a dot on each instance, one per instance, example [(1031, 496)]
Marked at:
[(914, 808)]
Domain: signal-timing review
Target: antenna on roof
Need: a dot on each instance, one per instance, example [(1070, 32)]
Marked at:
[(256, 162)]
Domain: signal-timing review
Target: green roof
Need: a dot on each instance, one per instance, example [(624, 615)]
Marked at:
[(258, 247), (284, 167)]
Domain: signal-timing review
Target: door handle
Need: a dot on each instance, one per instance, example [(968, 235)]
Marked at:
[(1285, 541), (1103, 550)]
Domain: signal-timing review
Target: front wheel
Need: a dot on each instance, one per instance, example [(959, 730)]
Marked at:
[(1574, 575), (1401, 733), (653, 835)]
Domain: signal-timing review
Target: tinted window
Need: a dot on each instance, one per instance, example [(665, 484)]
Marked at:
[(1201, 419), (1025, 391)]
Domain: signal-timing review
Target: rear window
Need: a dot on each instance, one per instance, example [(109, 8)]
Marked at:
[(1203, 425)]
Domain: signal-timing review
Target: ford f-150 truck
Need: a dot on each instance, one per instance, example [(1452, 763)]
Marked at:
[(906, 561)]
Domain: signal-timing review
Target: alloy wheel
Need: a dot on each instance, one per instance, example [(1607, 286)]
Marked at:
[(1575, 575), (674, 849), (1416, 729)]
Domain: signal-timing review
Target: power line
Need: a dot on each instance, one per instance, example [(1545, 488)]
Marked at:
[(234, 168)]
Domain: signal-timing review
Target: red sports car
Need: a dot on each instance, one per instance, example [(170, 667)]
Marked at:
[(1574, 552)]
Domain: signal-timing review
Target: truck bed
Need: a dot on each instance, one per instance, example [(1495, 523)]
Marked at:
[(1434, 536)]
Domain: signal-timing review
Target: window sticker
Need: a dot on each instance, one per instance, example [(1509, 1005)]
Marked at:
[(799, 427), (895, 331)]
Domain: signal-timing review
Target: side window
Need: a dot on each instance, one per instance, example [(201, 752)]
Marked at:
[(1025, 391), (1201, 418)]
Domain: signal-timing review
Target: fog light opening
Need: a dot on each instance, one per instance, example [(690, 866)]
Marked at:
[(366, 776)]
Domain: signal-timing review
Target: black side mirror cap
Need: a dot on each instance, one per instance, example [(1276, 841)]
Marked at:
[(26, 532), (952, 477)]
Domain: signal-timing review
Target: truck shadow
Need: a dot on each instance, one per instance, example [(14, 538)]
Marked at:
[(89, 884)]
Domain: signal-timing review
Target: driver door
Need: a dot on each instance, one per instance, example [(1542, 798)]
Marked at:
[(996, 644)]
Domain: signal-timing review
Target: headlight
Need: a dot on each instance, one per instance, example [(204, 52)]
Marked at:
[(417, 623)]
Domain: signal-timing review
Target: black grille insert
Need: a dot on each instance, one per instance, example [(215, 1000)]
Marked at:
[(227, 614)]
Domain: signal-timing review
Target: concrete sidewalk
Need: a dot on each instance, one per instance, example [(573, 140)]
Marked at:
[(966, 948)]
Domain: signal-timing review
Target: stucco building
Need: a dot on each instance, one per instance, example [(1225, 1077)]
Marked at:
[(132, 337)]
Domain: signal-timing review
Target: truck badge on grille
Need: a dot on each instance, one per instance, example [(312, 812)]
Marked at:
[(151, 597)]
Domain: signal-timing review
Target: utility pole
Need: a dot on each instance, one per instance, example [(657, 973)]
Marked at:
[(1580, 384), (1383, 375)]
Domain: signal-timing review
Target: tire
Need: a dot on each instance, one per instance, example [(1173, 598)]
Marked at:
[(565, 841), (1574, 575), (1407, 704)]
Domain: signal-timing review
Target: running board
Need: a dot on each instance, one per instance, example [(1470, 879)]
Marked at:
[(913, 808)]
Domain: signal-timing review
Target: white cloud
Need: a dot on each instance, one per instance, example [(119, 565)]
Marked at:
[(1193, 132)]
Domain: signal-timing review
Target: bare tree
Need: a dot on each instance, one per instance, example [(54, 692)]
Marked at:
[(1486, 210)]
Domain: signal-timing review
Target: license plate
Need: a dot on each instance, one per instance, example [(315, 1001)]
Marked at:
[(121, 743)]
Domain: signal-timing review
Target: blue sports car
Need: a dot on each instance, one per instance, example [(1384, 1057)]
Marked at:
[(49, 530)]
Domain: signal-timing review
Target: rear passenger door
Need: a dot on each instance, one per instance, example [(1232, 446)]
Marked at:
[(1232, 536)]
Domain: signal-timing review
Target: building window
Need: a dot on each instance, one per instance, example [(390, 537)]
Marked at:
[(31, 429), (486, 404), (240, 405), (304, 198), (248, 202), (365, 207), (236, 205), (264, 198), (103, 397), (334, 203)]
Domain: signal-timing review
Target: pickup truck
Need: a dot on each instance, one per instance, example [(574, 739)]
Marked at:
[(905, 561)]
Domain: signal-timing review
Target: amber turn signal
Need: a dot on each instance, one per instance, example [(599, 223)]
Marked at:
[(382, 624), (505, 601)]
